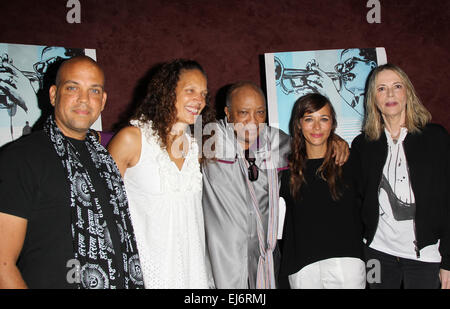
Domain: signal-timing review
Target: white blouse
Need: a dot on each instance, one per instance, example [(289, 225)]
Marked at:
[(395, 233)]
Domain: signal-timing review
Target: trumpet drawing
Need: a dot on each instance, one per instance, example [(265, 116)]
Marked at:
[(11, 104), (292, 79)]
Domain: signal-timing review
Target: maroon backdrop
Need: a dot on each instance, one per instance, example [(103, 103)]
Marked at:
[(228, 37)]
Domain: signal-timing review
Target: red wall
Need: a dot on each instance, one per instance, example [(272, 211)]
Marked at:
[(228, 37)]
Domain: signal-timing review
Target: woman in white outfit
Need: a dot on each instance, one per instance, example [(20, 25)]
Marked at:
[(159, 161)]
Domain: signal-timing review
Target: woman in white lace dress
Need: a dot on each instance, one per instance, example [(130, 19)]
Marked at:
[(159, 161)]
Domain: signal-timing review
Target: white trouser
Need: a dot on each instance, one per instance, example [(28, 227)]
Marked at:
[(334, 273)]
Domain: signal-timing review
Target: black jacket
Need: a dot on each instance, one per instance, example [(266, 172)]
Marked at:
[(428, 157)]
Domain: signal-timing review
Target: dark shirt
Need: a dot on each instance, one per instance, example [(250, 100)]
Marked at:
[(317, 227), (34, 186)]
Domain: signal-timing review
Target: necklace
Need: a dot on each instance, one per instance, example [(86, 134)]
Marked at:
[(396, 137)]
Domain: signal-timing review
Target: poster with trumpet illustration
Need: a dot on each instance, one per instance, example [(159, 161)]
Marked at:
[(339, 74), (26, 74)]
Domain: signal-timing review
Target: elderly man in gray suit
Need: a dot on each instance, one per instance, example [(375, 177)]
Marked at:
[(240, 192)]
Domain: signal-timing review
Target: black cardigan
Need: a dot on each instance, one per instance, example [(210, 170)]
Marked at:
[(428, 157)]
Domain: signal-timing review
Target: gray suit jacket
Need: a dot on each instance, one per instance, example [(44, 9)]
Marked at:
[(230, 220)]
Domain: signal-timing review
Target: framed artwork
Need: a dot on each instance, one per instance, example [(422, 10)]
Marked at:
[(26, 74), (339, 74)]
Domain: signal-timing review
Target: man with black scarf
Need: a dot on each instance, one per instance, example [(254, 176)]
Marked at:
[(64, 216)]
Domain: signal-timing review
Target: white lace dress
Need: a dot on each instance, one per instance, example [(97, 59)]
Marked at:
[(167, 216)]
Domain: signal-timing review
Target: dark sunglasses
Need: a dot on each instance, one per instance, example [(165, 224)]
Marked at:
[(348, 64), (42, 66), (252, 169)]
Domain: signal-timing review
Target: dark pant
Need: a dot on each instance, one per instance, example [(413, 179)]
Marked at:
[(394, 271)]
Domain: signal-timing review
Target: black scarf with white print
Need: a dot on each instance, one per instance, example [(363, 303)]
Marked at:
[(93, 249)]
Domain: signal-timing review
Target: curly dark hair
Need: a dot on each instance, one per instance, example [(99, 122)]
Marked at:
[(158, 106), (328, 171)]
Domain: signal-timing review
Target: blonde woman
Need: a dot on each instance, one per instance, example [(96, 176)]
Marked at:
[(404, 163)]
